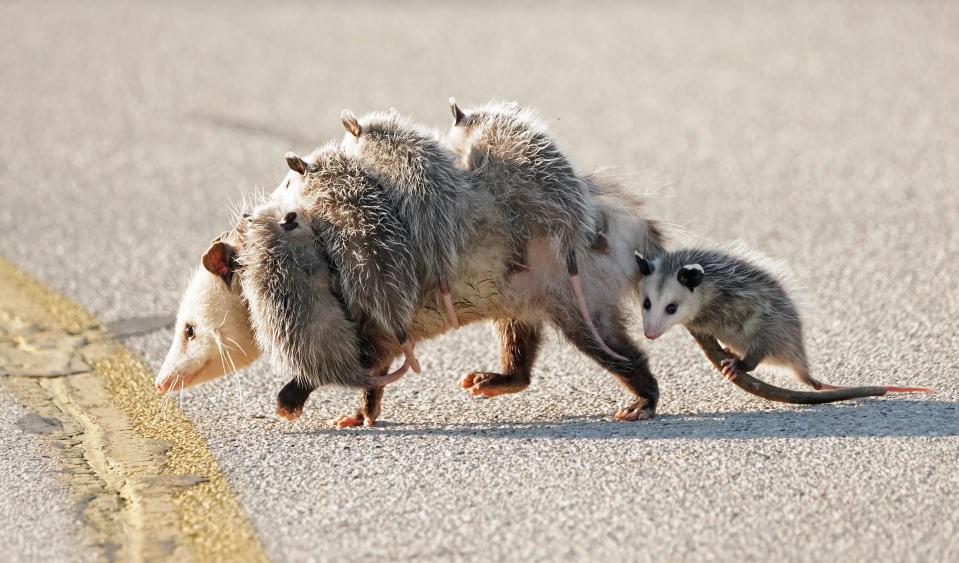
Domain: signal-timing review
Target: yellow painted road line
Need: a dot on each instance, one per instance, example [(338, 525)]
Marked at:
[(148, 485)]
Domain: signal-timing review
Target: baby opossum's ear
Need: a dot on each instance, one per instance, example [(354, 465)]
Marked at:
[(296, 163), (220, 260), (351, 123), (690, 275), (458, 115), (645, 267)]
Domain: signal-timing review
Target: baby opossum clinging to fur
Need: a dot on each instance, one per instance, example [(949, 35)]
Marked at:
[(284, 273), (367, 240), (432, 194), (733, 300), (361, 238), (509, 152)]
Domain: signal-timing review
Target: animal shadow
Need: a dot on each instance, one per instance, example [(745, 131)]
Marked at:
[(879, 418)]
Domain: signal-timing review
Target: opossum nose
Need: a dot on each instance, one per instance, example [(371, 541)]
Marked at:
[(289, 222), (651, 335)]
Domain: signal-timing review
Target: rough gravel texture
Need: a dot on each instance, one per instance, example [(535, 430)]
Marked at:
[(824, 134), (41, 517)]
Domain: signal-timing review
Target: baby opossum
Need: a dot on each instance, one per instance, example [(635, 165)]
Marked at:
[(509, 152), (717, 296), (432, 194), (368, 242), (739, 303), (284, 273)]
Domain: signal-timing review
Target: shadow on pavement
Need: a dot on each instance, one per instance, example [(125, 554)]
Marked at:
[(873, 418)]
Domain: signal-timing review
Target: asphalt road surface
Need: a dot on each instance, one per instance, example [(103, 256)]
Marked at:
[(824, 134)]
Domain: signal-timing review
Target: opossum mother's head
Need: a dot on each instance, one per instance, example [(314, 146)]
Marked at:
[(212, 336)]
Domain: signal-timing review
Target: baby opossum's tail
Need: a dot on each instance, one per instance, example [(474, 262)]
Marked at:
[(801, 368), (830, 393), (889, 389)]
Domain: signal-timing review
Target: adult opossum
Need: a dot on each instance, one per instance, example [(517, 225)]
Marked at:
[(509, 152), (212, 336), (745, 306), (431, 193), (518, 305)]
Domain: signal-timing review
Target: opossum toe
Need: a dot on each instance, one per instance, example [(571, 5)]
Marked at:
[(347, 421), (636, 411)]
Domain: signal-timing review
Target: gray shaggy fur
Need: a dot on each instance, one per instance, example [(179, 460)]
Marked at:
[(743, 305), (432, 194), (351, 211), (508, 150), (296, 318)]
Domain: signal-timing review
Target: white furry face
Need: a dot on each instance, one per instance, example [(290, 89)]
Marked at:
[(212, 336), (291, 186), (664, 307)]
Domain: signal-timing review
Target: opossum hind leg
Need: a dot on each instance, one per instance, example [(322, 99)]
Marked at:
[(368, 412), (632, 371), (519, 344)]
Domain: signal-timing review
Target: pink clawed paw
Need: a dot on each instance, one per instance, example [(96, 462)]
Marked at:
[(347, 421), (730, 368)]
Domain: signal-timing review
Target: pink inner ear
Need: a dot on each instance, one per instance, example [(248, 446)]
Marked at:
[(223, 270)]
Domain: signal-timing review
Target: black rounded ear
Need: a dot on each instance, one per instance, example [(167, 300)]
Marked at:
[(351, 123), (458, 115), (645, 267), (296, 163), (690, 275), (220, 260)]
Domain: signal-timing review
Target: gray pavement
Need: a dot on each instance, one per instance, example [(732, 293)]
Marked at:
[(824, 134), (40, 515)]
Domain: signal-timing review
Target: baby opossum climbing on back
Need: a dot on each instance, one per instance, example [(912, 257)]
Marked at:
[(432, 194), (730, 299), (509, 152), (368, 242)]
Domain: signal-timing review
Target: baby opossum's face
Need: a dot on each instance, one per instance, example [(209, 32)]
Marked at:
[(291, 185), (212, 336), (670, 300), (294, 182), (666, 306), (288, 219)]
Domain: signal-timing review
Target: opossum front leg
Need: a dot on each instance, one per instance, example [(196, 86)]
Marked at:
[(290, 401), (732, 367), (519, 345), (629, 363)]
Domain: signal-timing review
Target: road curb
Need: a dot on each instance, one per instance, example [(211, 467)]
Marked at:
[(144, 480)]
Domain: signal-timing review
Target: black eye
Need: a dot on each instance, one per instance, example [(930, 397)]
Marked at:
[(646, 304), (190, 332), (670, 309)]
